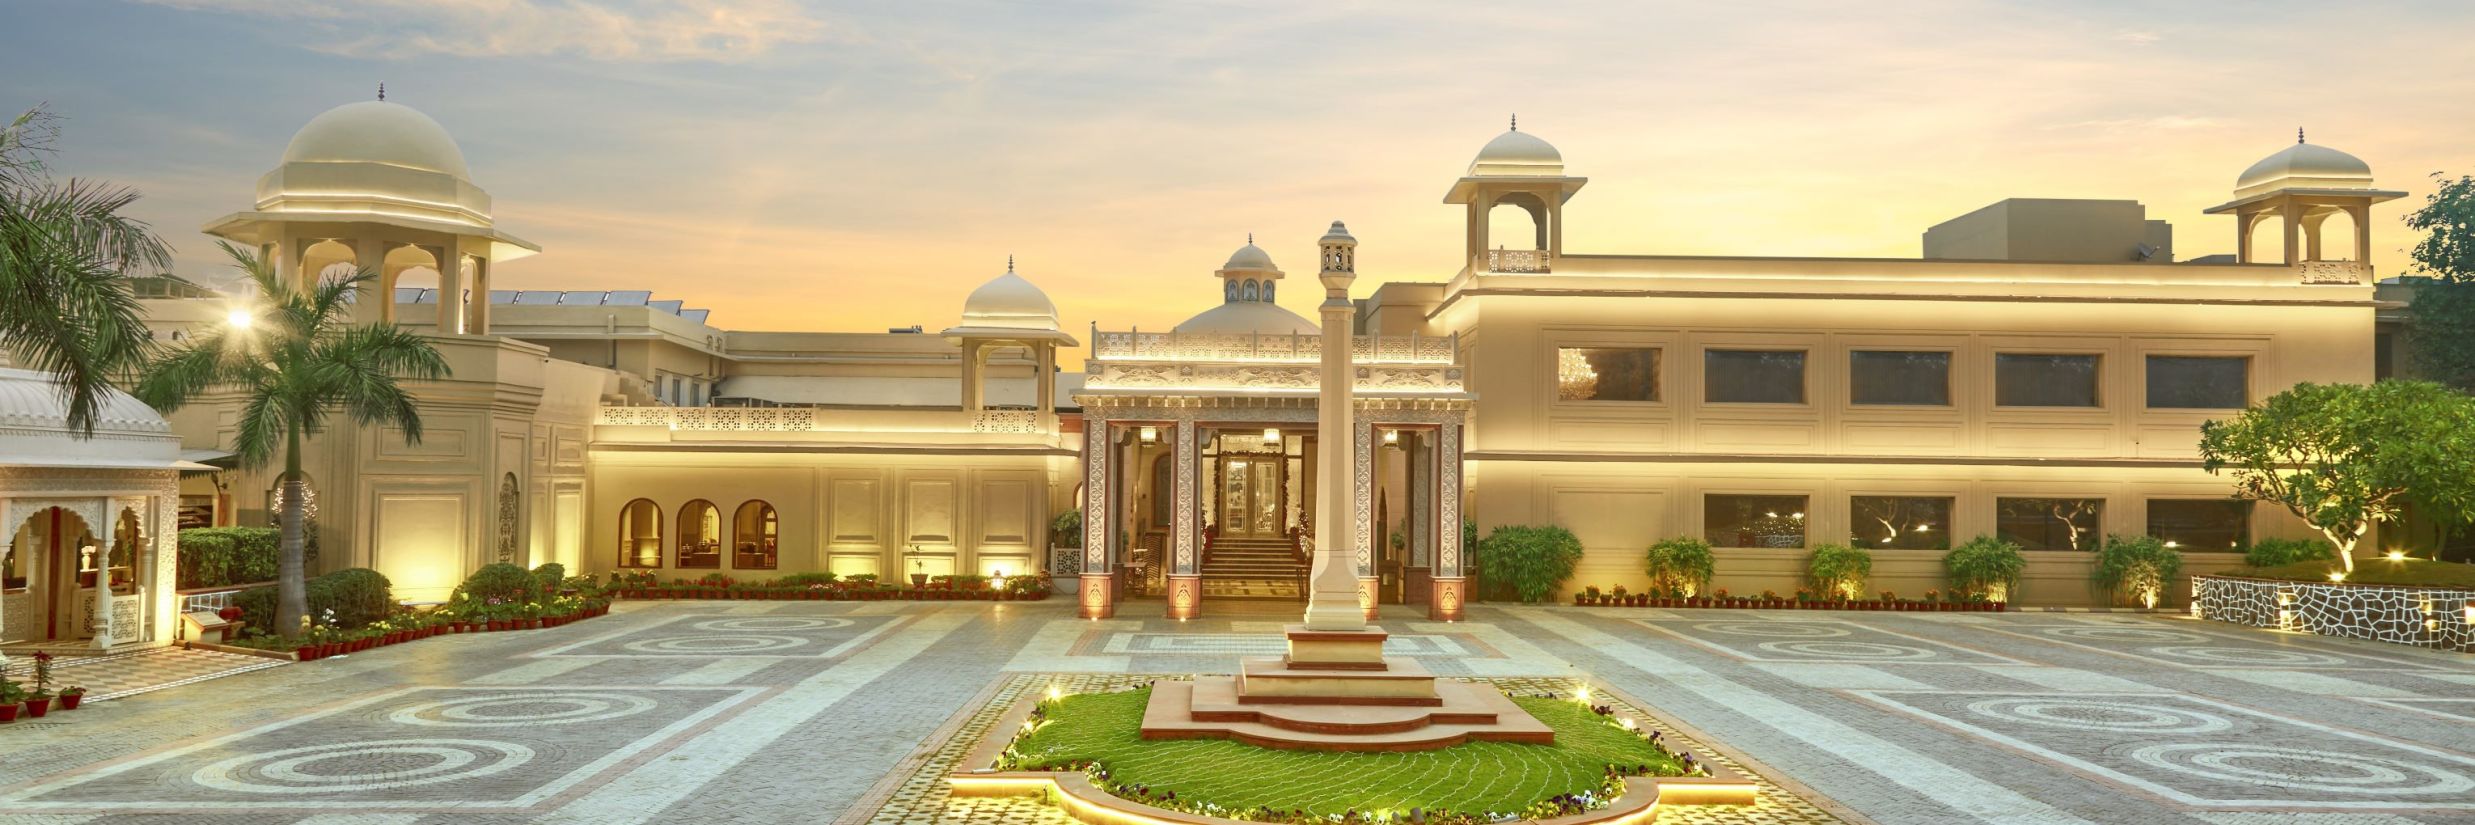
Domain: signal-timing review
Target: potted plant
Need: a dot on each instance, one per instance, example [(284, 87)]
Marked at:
[(11, 694), (39, 701), (71, 695), (919, 568)]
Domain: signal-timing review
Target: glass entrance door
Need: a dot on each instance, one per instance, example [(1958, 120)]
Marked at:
[(1250, 495)]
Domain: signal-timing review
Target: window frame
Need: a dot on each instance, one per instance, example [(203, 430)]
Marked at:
[(2148, 400), (1805, 534), (2097, 381), (1950, 384), (628, 559), (1658, 389), (2251, 509), (679, 544), (770, 532), (1950, 515), (1804, 389), (2097, 534)]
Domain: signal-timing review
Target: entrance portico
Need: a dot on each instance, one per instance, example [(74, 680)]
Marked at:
[(1201, 455)]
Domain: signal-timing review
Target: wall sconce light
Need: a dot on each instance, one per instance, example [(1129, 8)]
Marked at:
[(1150, 435), (1392, 438), (1271, 436)]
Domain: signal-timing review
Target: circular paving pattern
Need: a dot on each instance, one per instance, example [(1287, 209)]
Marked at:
[(2089, 714), (773, 623), (521, 710), (718, 644), (2291, 768), (1775, 630), (365, 766), (2124, 634), (1867, 651), (2248, 656)]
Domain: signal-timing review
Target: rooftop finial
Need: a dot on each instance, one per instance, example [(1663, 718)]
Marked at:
[(1250, 239), (1516, 121), (382, 90), (1009, 262), (2298, 134)]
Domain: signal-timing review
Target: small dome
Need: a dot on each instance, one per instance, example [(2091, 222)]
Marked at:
[(2307, 166), (1518, 153), (1252, 257), (1009, 302), (375, 131), (30, 401), (1241, 317)]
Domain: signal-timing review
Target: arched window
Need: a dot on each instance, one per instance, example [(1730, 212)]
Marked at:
[(1228, 291), (700, 536), (1249, 292), (1267, 291), (754, 536), (640, 534), (122, 560)]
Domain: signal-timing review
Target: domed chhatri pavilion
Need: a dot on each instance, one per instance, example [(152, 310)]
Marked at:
[(2037, 373)]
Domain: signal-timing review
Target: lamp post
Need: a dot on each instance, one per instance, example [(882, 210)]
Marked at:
[(1332, 602)]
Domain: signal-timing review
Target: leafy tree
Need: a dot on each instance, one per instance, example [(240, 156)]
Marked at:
[(65, 252), (2345, 456), (2139, 564), (2442, 314), (1985, 566), (297, 361), (1681, 565), (1838, 571), (1531, 560)]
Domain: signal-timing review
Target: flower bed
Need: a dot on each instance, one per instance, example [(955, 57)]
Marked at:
[(2433, 617), (827, 587), (1932, 603)]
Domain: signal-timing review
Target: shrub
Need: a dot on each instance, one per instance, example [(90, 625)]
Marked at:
[(505, 582), (1985, 566), (358, 596), (805, 579), (1839, 570), (222, 556), (1681, 565), (2142, 565), (1531, 560), (2282, 552), (1066, 530), (551, 575)]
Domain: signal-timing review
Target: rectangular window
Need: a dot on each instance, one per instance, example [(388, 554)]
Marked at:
[(2045, 380), (2184, 382), (1754, 521), (1900, 522), (1605, 374), (1906, 378), (2201, 524), (2050, 523), (1737, 376)]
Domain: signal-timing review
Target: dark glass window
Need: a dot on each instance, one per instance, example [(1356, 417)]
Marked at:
[(2182, 382), (1603, 374), (2201, 524), (2050, 523), (1736, 376), (756, 533), (700, 535), (1754, 521), (1899, 522), (2045, 380), (1918, 378)]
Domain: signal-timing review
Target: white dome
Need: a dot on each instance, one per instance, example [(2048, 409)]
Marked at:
[(375, 131), (1517, 153), (2306, 166), (1250, 256), (34, 428), (1009, 302), (1241, 317)]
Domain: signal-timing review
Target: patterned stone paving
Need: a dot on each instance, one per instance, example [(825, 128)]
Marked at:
[(1882, 717), (115, 675)]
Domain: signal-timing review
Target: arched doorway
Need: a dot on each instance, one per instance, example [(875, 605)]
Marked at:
[(53, 560)]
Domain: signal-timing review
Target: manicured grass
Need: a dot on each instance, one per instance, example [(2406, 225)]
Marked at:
[(2373, 569), (1475, 777)]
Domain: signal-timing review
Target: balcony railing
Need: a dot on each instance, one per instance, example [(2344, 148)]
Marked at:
[(2333, 272), (1005, 421), (1517, 260), (1136, 345), (710, 419)]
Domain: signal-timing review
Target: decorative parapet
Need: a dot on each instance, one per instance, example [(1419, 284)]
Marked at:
[(1006, 421), (712, 419), (1135, 345), (2333, 272), (2434, 617), (1519, 261), (1206, 377)]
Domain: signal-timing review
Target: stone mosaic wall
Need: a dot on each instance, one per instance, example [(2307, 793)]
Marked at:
[(2419, 616)]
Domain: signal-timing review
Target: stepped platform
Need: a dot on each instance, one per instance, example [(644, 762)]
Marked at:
[(1336, 691)]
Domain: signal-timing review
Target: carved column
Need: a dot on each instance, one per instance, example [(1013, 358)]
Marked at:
[(1420, 521), (1186, 565), (1451, 584), (1095, 598), (1362, 514)]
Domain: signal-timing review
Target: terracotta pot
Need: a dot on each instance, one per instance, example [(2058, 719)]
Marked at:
[(35, 708), (8, 713), (68, 701), (305, 653)]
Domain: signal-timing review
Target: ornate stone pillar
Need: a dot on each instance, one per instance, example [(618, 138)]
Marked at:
[(1186, 564), (1095, 599), (1331, 604), (1451, 584), (1362, 513)]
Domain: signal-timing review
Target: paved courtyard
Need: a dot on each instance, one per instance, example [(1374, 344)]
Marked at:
[(766, 712)]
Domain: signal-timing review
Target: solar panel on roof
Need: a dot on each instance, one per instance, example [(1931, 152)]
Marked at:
[(671, 307), (537, 297), (697, 315), (427, 296), (503, 296), (582, 297), (407, 294), (628, 298)]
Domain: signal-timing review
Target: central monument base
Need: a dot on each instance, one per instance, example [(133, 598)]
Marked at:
[(1337, 691)]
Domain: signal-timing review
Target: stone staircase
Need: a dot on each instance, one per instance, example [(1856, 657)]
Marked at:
[(1250, 557)]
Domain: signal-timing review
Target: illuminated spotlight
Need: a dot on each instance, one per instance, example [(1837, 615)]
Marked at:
[(238, 319)]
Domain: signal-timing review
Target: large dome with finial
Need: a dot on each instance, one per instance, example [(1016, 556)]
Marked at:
[(1009, 302), (375, 131), (1517, 153), (2305, 166)]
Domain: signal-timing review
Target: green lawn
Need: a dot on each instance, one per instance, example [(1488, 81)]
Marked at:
[(1475, 777), (2373, 569)]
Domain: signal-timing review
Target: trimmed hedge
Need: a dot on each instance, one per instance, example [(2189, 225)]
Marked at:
[(358, 596), (226, 556), (505, 582), (1530, 560), (2282, 552)]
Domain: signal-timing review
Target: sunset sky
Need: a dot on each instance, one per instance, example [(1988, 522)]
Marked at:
[(855, 166)]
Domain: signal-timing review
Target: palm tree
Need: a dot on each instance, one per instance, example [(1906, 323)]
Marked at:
[(295, 357), (65, 249)]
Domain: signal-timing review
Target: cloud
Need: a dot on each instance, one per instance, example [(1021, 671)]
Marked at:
[(632, 30)]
